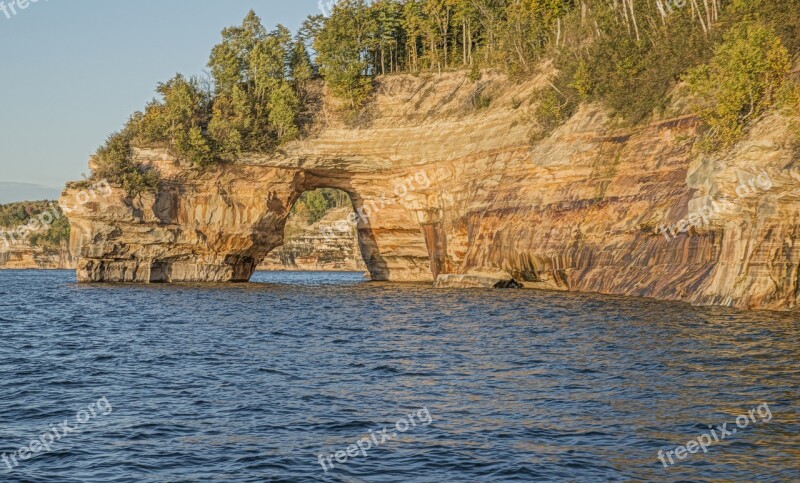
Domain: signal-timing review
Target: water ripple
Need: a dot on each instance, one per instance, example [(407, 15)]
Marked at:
[(251, 383)]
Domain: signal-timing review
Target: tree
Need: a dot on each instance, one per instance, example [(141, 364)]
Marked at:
[(342, 46), (309, 30), (741, 82), (267, 67), (284, 107), (229, 59), (195, 147), (413, 22), (301, 70), (388, 29), (232, 123)]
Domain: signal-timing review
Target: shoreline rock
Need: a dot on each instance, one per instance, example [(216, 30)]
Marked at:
[(448, 189)]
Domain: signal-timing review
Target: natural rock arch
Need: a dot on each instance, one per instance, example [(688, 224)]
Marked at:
[(586, 209), (217, 227)]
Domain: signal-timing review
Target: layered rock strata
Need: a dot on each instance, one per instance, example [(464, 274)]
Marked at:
[(24, 256), (444, 186), (331, 244)]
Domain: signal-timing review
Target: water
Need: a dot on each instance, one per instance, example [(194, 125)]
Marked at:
[(253, 382)]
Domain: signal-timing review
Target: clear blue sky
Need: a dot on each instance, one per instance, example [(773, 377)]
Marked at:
[(72, 71)]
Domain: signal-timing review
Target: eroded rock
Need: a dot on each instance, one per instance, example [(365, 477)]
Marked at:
[(456, 191)]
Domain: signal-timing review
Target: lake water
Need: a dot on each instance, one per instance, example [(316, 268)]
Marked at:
[(254, 382)]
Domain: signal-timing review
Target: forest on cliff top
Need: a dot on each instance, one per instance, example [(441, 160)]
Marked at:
[(735, 57)]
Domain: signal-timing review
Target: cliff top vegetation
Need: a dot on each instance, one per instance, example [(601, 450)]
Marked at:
[(735, 57)]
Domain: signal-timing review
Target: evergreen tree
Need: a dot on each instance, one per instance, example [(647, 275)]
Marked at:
[(301, 70), (284, 107), (342, 46), (232, 123)]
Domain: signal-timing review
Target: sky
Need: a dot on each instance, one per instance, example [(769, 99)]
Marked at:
[(73, 71)]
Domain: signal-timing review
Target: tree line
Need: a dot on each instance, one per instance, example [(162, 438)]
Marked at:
[(627, 54)]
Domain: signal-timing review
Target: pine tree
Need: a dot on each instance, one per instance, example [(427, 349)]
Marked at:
[(342, 47), (284, 107)]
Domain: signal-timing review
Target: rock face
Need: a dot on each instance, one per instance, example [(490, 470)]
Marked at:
[(476, 280), (331, 244), (24, 256), (444, 187)]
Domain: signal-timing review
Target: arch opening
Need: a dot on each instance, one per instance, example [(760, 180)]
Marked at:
[(320, 234)]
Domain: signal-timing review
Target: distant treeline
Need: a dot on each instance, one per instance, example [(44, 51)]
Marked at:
[(15, 215), (735, 56)]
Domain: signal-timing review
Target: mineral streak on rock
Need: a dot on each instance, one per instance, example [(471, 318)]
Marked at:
[(443, 187)]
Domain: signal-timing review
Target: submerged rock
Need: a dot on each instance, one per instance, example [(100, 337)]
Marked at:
[(475, 280)]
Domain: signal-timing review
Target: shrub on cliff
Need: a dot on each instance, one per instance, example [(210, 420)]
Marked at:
[(747, 76), (178, 121), (114, 162)]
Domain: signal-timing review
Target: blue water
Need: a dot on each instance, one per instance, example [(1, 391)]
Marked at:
[(253, 382)]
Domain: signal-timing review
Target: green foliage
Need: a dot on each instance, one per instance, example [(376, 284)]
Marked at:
[(781, 16), (259, 77), (582, 81), (194, 147), (300, 68), (14, 215), (744, 79), (284, 108), (314, 205), (114, 162), (340, 46), (253, 105), (553, 106), (317, 205), (56, 234), (230, 60), (231, 123), (630, 68), (177, 121)]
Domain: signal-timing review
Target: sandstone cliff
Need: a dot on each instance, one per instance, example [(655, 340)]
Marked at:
[(445, 185), (24, 256), (327, 245)]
